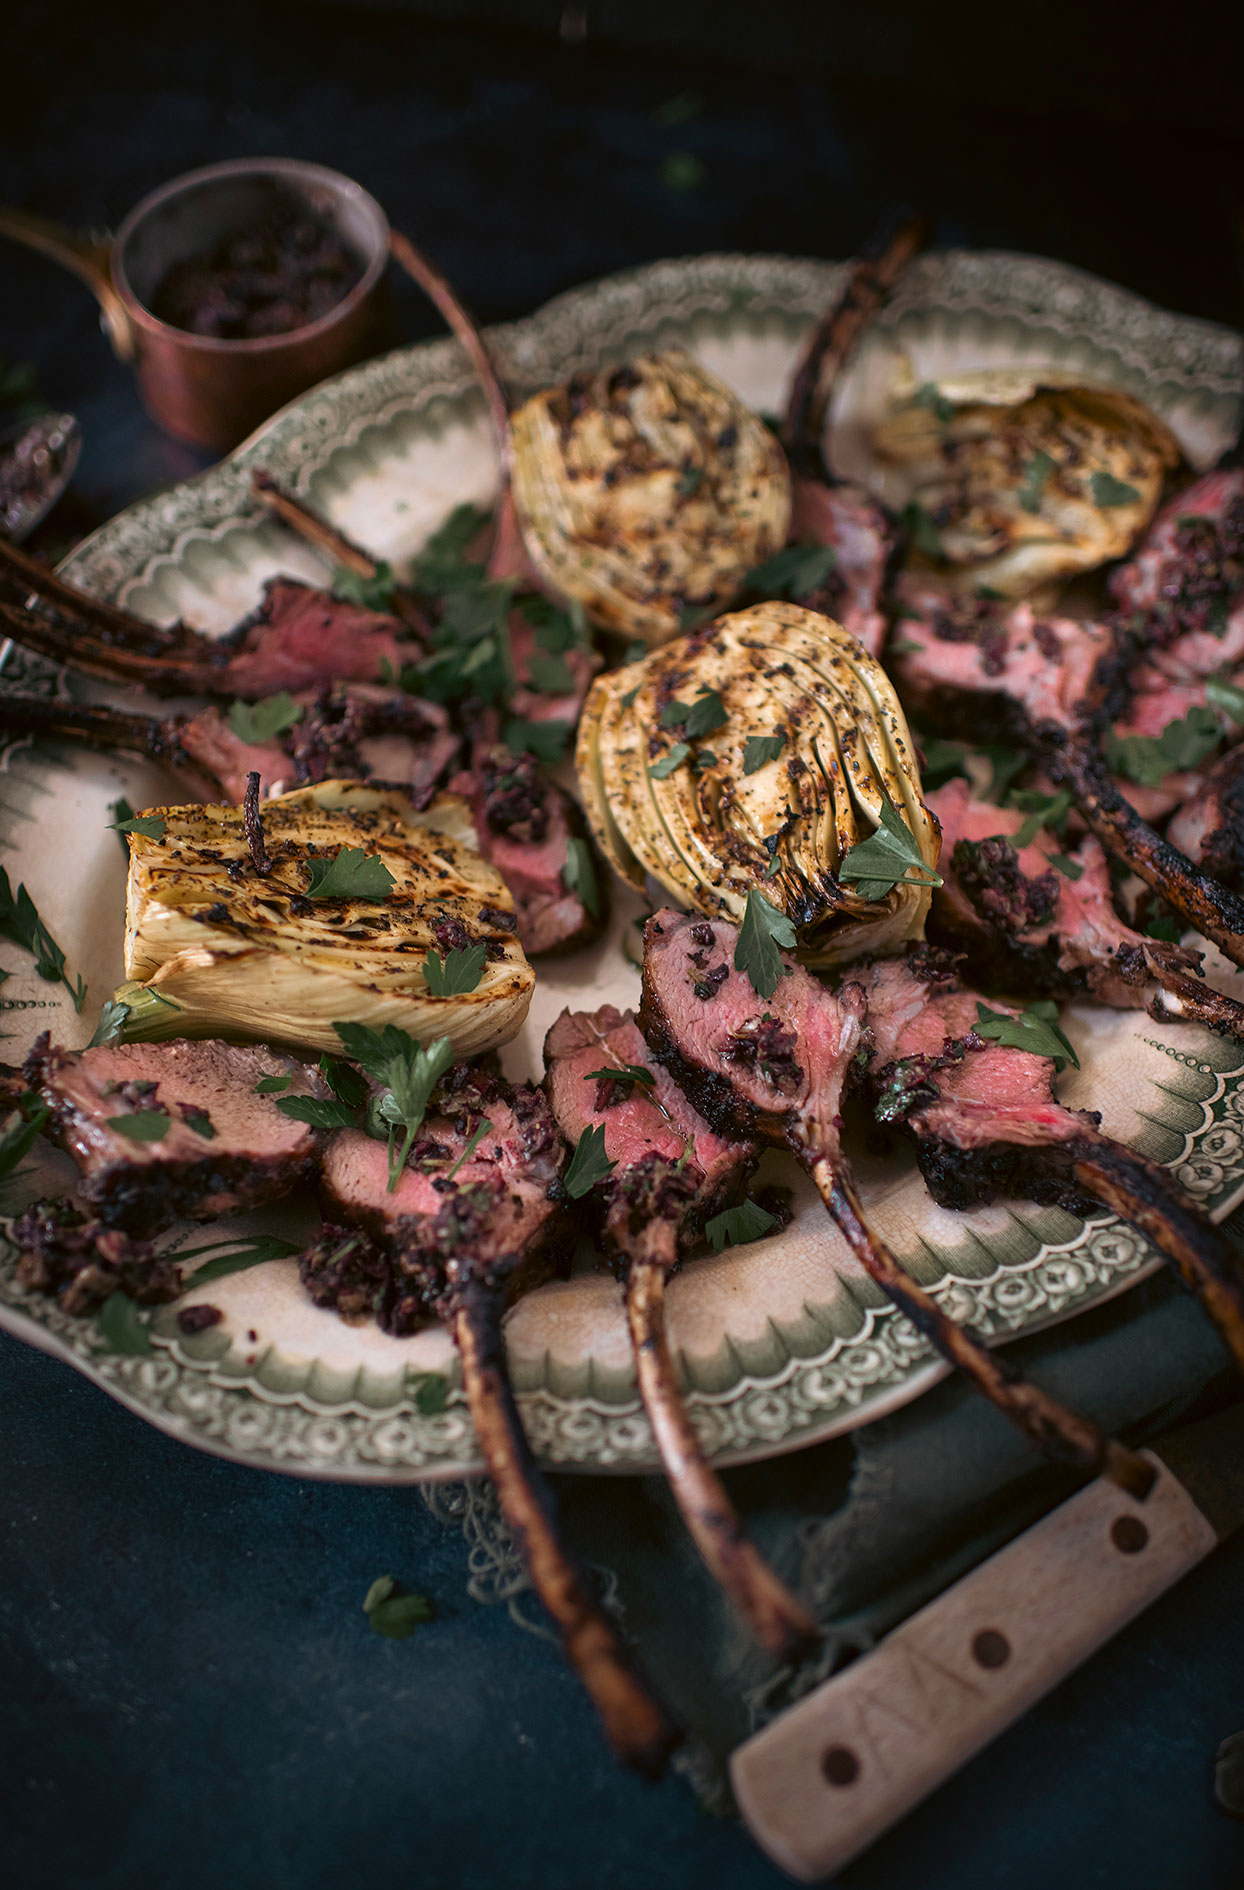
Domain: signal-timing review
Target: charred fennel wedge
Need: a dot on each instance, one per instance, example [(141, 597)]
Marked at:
[(753, 755), (239, 953), (1020, 479), (645, 491)]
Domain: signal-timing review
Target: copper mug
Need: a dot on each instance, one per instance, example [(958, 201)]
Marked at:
[(200, 388)]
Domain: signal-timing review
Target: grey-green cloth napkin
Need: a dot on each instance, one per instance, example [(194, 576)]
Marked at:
[(866, 1527)]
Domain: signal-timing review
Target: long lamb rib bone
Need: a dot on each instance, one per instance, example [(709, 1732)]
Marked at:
[(775, 1068), (670, 1174), (1047, 684), (1034, 919), (986, 1123), (358, 731), (469, 1224), (298, 638), (333, 545)]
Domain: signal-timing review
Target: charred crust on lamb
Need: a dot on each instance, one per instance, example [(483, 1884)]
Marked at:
[(797, 1105), (671, 1172)]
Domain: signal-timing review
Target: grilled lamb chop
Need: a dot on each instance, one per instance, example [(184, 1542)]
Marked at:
[(298, 638), (525, 824), (1028, 924), (159, 1130), (1049, 684), (465, 1228), (775, 1068), (986, 1123), (670, 1173), (825, 509), (351, 731), (1209, 827)]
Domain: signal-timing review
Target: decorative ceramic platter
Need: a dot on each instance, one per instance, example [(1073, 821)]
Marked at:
[(783, 1342)]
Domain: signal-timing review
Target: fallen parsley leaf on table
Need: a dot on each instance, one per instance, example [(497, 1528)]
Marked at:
[(764, 930), (458, 972), (351, 874), (391, 1614), (257, 722)]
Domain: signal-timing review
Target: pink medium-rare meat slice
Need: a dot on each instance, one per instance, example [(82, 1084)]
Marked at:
[(985, 1122), (854, 527), (638, 1119), (159, 1130), (1209, 827), (1038, 919), (670, 1171), (776, 1067), (471, 1216), (1182, 593), (525, 825), (300, 638)]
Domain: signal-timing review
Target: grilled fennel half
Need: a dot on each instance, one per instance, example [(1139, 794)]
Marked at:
[(234, 953), (711, 816), (645, 491), (1022, 479)]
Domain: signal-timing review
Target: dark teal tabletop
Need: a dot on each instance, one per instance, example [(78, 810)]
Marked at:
[(189, 1692)]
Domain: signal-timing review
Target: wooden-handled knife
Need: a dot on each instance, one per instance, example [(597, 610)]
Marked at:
[(833, 1773)]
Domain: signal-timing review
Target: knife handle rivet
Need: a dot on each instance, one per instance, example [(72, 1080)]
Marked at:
[(991, 1649), (1129, 1535), (840, 1765)]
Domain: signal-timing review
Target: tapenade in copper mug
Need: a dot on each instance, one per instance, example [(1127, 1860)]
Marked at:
[(210, 390)]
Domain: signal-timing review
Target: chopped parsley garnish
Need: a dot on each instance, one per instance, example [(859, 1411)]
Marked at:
[(1224, 695), (409, 1073), (1043, 810), (943, 760), (1109, 491), (272, 1085), (343, 1081), (122, 1325), (476, 1138), (739, 1225), (320, 1112), (545, 740), (930, 395), (199, 1121), (257, 722), (759, 750), (1148, 759), (689, 481), (764, 934), (20, 922), (122, 811), (443, 565), (21, 1131), (143, 1125), (372, 589), (350, 874), (550, 675), (1035, 1029), (589, 1163), (458, 972), (1036, 473), (661, 770), (394, 1615), (887, 859), (579, 875), (152, 826), (701, 717), (795, 572), (1069, 868), (623, 1073), (921, 530)]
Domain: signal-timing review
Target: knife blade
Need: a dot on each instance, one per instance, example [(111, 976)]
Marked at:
[(822, 1782)]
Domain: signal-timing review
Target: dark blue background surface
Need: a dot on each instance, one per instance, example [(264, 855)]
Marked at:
[(189, 1692)]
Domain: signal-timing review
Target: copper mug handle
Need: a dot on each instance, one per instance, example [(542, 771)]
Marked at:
[(88, 257)]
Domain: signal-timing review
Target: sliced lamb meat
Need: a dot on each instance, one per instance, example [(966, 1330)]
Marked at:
[(525, 824), (849, 522), (74, 1256), (298, 638), (1036, 919), (670, 1172), (353, 731), (160, 1130), (1209, 827), (1050, 685), (986, 1123), (775, 1068), (465, 1227), (1182, 593)]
